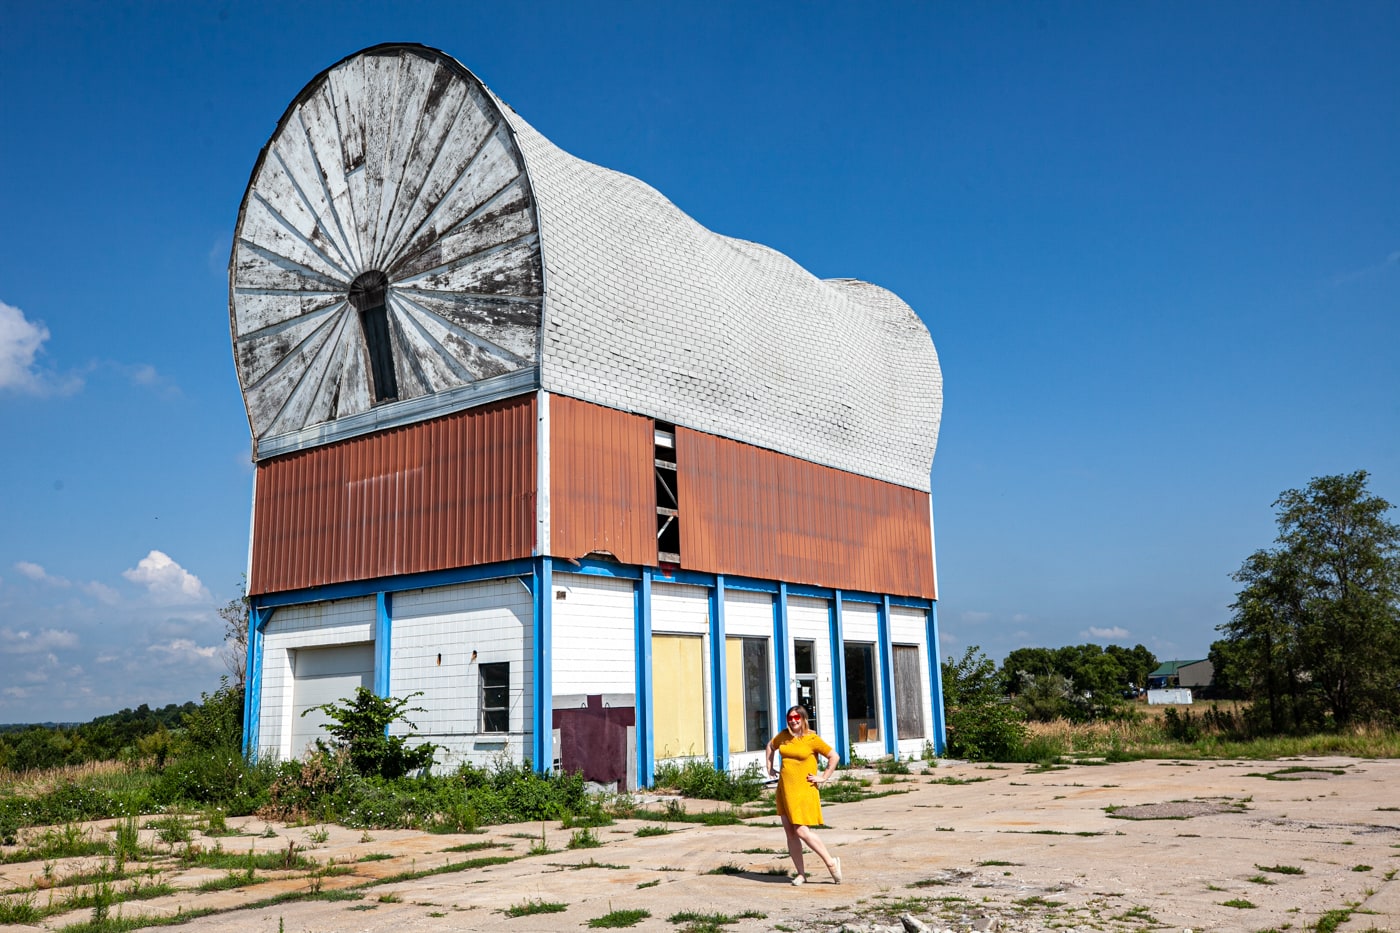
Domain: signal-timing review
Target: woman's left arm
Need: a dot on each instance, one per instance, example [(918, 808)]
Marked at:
[(832, 760)]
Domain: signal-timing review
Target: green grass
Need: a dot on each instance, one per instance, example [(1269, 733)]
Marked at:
[(653, 831), (1239, 903), (475, 847), (617, 919), (1281, 869), (532, 907)]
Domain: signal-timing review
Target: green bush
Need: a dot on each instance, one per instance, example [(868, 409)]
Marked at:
[(993, 731), (361, 725), (700, 779)]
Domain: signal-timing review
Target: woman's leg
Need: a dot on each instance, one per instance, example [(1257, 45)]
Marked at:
[(805, 834), (794, 843)]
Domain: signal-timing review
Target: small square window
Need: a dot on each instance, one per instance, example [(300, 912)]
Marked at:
[(495, 697)]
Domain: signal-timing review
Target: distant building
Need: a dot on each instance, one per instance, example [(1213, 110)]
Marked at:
[(1195, 675), (607, 488)]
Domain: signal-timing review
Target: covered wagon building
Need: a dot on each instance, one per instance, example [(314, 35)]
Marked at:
[(606, 487)]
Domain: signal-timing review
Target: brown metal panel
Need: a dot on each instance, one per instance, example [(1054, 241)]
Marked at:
[(602, 485), (756, 513), (452, 492)]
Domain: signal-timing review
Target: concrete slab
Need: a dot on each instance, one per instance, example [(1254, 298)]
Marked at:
[(1215, 845)]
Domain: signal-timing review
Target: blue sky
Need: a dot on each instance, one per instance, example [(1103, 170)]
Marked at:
[(1157, 247)]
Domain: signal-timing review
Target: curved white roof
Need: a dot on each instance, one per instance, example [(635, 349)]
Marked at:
[(639, 307)]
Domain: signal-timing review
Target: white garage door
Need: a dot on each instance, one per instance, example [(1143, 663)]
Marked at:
[(325, 675)]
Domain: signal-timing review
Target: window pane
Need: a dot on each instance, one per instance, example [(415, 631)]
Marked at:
[(758, 717), (862, 721)]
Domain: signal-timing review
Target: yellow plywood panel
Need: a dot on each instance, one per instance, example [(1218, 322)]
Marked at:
[(678, 709), (734, 691)]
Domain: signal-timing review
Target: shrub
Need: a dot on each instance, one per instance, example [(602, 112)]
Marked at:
[(700, 780), (361, 727)]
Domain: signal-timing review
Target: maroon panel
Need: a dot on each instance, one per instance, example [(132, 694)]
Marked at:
[(756, 513), (602, 482), (593, 740), (452, 492)]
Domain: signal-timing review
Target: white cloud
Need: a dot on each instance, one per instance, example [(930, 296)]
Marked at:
[(1111, 633), (974, 618), (102, 593), (185, 648), (166, 580), (27, 642), (38, 574), (20, 341)]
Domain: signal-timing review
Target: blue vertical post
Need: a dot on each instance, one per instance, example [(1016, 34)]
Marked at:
[(542, 748), (646, 755), (252, 681), (719, 694), (782, 650), (887, 697), (940, 731), (838, 678), (383, 642)]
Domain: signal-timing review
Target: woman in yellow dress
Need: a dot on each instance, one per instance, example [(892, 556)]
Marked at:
[(799, 802)]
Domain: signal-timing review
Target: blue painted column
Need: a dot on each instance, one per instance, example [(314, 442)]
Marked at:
[(782, 651), (842, 742), (887, 698), (383, 642), (646, 753), (542, 747), (719, 694), (940, 731), (252, 680)]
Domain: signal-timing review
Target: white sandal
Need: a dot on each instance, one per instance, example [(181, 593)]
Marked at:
[(799, 879), (835, 869)]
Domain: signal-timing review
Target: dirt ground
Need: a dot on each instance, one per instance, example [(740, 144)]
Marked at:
[(1176, 845)]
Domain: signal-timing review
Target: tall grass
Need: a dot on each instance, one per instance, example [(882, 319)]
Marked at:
[(1157, 733)]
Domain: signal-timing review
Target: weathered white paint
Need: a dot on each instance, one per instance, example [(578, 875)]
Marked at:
[(330, 674), (342, 622), (441, 637), (594, 623), (808, 620), (398, 162)]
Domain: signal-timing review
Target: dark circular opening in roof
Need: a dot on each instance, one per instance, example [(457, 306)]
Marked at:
[(368, 290)]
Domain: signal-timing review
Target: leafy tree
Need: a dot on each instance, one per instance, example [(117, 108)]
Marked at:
[(361, 728), (982, 725), (235, 651), (1315, 632)]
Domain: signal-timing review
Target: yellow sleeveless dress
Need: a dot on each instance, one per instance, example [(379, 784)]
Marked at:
[(798, 798)]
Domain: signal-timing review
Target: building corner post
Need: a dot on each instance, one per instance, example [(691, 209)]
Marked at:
[(383, 642), (887, 690), (252, 681), (646, 751), (719, 691), (940, 730), (542, 746), (838, 679)]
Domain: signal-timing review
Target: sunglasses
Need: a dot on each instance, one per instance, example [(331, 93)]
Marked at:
[(794, 718)]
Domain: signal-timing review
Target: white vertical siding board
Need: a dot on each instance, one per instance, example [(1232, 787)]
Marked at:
[(593, 629), (808, 620)]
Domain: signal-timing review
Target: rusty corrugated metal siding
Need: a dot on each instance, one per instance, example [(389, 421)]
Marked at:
[(755, 513), (602, 491), (452, 492)]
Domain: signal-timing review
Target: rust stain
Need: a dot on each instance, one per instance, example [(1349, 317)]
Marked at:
[(602, 490), (455, 491), (756, 513)]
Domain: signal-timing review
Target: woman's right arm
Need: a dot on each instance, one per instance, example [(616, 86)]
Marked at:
[(768, 756)]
